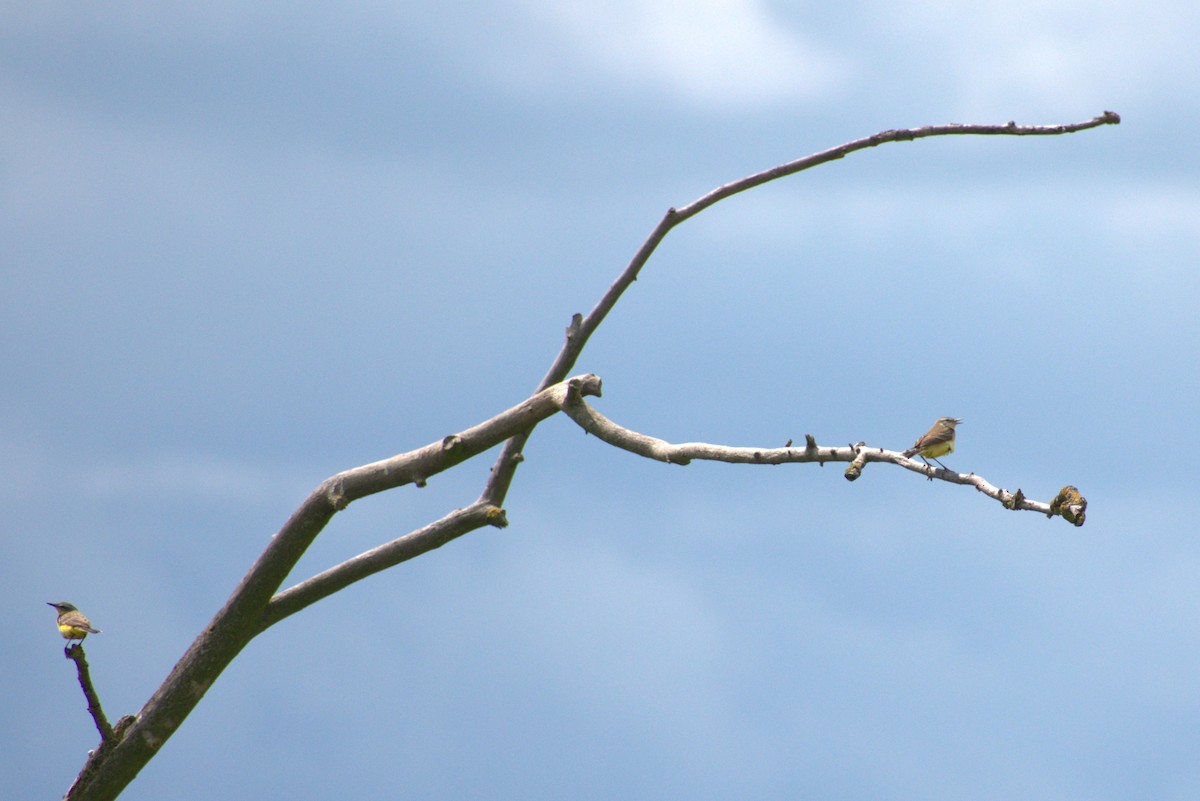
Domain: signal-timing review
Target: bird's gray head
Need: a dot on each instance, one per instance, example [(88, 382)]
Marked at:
[(62, 606)]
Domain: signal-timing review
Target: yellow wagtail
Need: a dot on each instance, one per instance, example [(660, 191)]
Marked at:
[(72, 624), (937, 441)]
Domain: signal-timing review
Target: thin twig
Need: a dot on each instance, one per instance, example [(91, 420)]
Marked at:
[(76, 655), (883, 137)]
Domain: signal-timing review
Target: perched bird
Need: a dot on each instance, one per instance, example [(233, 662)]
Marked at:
[(72, 624), (1070, 503), (937, 441)]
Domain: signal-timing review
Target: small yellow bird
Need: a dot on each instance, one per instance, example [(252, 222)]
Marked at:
[(72, 624), (937, 441)]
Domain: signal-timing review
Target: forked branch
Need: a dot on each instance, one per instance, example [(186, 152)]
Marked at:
[(582, 327), (253, 606)]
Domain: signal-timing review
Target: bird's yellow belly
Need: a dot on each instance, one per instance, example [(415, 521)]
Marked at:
[(939, 449)]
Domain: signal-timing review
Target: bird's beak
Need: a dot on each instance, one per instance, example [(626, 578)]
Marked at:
[(957, 420), (48, 603)]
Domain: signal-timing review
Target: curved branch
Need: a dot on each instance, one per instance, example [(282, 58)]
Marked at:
[(581, 328), (599, 426), (858, 455), (894, 135)]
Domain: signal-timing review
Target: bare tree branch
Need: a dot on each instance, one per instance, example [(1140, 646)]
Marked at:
[(895, 135), (858, 455), (411, 545), (76, 655), (253, 605), (581, 328), (244, 614)]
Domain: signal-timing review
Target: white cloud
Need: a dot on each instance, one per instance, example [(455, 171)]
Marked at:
[(711, 53), (1034, 56)]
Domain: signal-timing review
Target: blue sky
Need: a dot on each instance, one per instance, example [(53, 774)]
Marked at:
[(243, 248)]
